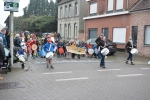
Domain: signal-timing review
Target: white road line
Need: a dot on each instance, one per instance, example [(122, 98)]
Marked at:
[(72, 79), (129, 75), (145, 68), (58, 73), (109, 70)]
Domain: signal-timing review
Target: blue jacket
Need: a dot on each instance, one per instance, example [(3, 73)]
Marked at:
[(4, 39), (49, 47)]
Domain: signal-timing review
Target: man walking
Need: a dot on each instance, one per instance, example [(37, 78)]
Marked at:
[(2, 34), (58, 36)]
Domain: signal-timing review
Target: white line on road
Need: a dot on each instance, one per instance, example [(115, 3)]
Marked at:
[(129, 75), (72, 79), (58, 73), (109, 70), (145, 68)]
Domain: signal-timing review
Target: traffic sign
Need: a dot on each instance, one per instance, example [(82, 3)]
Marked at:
[(11, 6)]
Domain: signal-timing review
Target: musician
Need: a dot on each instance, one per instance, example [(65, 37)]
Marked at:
[(102, 45), (49, 47), (129, 47)]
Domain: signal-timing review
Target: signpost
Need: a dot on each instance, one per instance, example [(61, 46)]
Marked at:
[(12, 6)]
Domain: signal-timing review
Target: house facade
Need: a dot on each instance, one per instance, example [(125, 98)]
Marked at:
[(140, 25), (70, 19), (111, 18)]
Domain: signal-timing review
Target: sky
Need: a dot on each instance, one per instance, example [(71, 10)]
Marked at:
[(4, 14)]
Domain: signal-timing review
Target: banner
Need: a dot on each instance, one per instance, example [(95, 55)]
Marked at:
[(75, 50)]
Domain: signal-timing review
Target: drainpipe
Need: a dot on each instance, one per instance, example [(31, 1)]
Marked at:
[(127, 3), (84, 30)]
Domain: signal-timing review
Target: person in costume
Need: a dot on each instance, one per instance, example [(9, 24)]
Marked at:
[(49, 47)]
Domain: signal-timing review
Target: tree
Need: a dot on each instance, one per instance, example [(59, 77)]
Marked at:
[(52, 8)]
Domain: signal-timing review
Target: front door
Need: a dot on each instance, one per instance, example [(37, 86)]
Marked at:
[(92, 33), (134, 34)]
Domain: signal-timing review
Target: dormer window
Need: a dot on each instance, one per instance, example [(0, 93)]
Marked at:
[(110, 5), (93, 8), (119, 4)]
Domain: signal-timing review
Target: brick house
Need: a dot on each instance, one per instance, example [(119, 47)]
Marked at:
[(111, 18), (70, 19), (140, 25)]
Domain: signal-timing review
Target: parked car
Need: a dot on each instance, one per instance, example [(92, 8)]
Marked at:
[(111, 46)]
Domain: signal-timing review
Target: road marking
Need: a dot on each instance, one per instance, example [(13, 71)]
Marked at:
[(72, 79), (58, 73), (129, 75), (145, 68), (109, 70)]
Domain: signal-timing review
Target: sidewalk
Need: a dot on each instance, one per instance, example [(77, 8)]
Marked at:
[(122, 56)]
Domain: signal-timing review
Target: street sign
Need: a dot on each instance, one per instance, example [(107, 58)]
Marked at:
[(11, 6)]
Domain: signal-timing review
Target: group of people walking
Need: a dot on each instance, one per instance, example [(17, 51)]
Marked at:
[(52, 47)]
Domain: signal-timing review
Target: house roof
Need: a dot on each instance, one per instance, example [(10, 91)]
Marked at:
[(141, 5), (64, 1)]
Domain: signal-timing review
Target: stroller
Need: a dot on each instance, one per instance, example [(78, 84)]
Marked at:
[(4, 66), (20, 56)]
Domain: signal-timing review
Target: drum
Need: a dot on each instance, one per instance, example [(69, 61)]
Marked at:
[(105, 51), (49, 55), (61, 50), (134, 51), (34, 47), (149, 62), (90, 51)]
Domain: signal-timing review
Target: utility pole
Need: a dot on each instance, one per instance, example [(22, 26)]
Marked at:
[(11, 36)]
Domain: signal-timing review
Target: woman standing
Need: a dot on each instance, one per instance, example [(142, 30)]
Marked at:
[(102, 45), (129, 47)]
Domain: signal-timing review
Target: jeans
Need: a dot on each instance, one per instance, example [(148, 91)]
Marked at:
[(129, 57), (102, 63), (99, 55)]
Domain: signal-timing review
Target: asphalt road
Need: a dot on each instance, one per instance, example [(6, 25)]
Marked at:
[(78, 80)]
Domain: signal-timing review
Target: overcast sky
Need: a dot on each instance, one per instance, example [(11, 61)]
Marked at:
[(4, 14)]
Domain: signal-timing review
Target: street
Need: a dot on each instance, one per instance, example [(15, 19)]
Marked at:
[(78, 80)]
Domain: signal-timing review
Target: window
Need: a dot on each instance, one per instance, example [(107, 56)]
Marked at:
[(147, 35), (93, 8), (119, 4), (75, 30), (69, 30), (105, 32), (61, 12), (110, 5), (60, 30), (65, 31), (76, 9), (69, 10), (65, 11), (119, 35)]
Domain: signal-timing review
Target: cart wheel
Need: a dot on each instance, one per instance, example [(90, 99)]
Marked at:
[(22, 66)]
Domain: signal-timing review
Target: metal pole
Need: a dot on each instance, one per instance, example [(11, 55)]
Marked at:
[(11, 36)]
